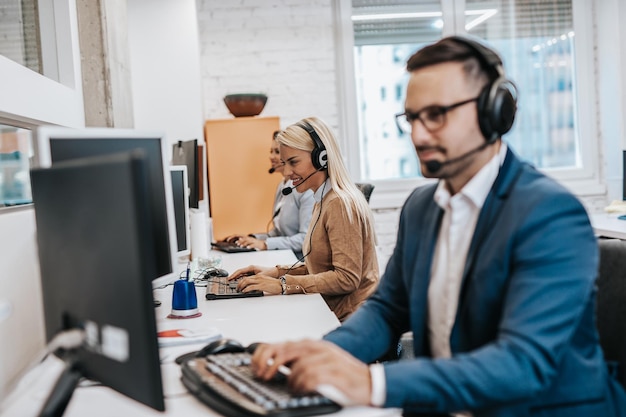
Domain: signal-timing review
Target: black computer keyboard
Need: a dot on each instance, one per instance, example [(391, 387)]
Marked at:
[(230, 247), (220, 287), (225, 383)]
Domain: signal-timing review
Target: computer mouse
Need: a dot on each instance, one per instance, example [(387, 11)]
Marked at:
[(221, 346), (252, 347), (218, 346), (216, 272)]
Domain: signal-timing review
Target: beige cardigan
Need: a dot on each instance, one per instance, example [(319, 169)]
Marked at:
[(341, 265)]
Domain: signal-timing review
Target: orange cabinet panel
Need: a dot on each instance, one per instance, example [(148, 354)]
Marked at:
[(241, 191)]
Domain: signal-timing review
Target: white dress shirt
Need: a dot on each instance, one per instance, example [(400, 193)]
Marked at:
[(455, 234)]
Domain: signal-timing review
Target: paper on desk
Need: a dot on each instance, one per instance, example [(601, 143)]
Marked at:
[(616, 206), (360, 411), (176, 337)]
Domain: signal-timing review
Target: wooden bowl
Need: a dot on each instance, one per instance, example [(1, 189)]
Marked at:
[(245, 105)]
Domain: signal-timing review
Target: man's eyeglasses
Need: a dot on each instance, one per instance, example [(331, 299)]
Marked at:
[(432, 117)]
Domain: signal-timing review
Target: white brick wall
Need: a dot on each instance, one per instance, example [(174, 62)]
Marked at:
[(386, 224), (283, 48)]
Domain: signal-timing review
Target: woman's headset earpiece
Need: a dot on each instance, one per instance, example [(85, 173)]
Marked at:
[(319, 156), (497, 102)]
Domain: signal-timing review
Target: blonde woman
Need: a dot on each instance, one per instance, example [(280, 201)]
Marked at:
[(339, 248)]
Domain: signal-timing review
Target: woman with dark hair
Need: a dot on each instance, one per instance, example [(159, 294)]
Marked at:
[(291, 215)]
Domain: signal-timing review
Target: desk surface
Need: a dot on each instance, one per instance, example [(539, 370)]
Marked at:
[(265, 319), (608, 225)]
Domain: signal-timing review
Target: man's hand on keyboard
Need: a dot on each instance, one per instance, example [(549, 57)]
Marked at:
[(314, 364)]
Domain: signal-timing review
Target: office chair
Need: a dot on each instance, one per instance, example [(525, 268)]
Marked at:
[(366, 189), (611, 305)]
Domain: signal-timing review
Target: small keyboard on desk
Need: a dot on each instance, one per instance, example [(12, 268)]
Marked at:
[(225, 383), (220, 288), (230, 247)]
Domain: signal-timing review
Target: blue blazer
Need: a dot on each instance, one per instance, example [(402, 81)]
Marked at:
[(524, 341)]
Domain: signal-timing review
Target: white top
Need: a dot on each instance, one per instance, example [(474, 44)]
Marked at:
[(457, 228), (291, 218), (455, 234)]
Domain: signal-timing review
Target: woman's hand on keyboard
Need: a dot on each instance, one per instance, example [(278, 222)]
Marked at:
[(260, 282), (270, 271), (251, 243), (232, 238)]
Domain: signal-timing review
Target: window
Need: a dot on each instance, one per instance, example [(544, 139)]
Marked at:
[(19, 32), (40, 84), (385, 35), (545, 50), (15, 153)]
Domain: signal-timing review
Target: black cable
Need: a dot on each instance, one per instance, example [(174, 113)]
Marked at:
[(267, 226)]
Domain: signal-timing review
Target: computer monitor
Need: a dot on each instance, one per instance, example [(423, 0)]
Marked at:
[(56, 144), (186, 153), (180, 192), (96, 258), (624, 175)]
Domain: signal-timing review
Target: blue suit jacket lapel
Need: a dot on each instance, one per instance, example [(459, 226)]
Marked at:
[(507, 177), (427, 239), (509, 172)]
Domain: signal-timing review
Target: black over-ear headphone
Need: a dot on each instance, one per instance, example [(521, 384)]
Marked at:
[(497, 102), (319, 156)]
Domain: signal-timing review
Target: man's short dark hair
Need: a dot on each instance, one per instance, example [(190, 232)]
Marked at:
[(450, 50)]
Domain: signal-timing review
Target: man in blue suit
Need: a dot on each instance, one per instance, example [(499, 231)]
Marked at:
[(493, 272)]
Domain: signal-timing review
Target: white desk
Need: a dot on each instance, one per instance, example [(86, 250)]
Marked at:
[(266, 319), (608, 225)]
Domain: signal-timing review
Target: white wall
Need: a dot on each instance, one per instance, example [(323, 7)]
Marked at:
[(21, 310), (165, 67), (165, 71)]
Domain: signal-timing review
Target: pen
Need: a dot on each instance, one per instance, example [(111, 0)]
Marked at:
[(188, 270), (281, 368)]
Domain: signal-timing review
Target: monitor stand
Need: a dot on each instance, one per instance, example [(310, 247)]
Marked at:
[(63, 389)]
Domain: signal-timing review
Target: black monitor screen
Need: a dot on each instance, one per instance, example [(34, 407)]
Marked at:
[(186, 153), (62, 144), (181, 208), (95, 254)]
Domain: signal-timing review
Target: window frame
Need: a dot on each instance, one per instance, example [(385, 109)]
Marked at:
[(30, 99), (583, 181)]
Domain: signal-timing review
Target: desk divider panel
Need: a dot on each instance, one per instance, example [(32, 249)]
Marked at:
[(241, 191)]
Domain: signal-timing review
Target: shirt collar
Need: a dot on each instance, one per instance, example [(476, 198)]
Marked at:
[(477, 188), (324, 188)]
